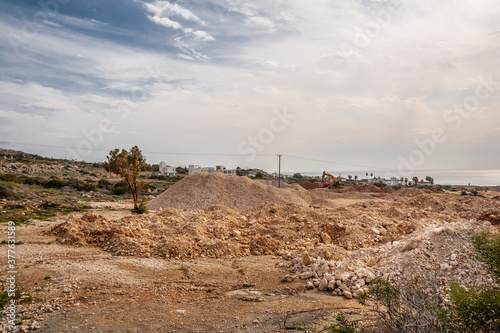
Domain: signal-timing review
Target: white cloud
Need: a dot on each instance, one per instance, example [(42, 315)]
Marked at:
[(260, 22), (165, 8), (203, 35), (378, 99), (165, 21)]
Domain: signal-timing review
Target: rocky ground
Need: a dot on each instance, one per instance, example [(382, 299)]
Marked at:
[(269, 268)]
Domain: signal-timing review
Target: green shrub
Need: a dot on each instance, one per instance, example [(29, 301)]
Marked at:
[(104, 183), (54, 183), (6, 193), (120, 188), (142, 208), (88, 187), (9, 178), (474, 310), (487, 248)]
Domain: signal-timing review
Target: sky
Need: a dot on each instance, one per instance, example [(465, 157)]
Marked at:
[(330, 85)]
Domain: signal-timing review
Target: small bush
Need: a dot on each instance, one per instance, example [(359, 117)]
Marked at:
[(409, 306), (487, 248), (142, 209), (474, 310), (343, 326), (9, 178), (88, 187), (104, 183), (6, 193), (54, 183), (120, 188)]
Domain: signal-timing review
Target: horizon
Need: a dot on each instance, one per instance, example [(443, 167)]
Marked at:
[(386, 174)]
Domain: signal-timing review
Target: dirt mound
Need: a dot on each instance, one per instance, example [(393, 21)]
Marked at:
[(368, 189), (390, 189), (204, 189), (310, 185), (406, 192), (343, 189)]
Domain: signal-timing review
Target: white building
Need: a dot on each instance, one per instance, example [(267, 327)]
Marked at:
[(230, 172), (219, 168), (167, 170), (393, 181)]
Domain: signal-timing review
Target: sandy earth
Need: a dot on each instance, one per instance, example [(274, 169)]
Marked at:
[(90, 290)]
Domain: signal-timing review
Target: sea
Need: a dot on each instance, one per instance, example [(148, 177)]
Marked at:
[(490, 177)]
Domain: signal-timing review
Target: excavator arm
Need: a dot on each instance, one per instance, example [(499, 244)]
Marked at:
[(332, 178)]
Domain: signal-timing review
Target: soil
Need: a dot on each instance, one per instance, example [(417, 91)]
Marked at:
[(216, 252)]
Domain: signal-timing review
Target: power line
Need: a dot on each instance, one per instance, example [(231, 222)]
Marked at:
[(203, 154), (145, 152)]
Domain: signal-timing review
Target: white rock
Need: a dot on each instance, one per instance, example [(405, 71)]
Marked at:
[(357, 292), (306, 275), (345, 276), (453, 257), (309, 285), (347, 294), (360, 282), (369, 277), (331, 285), (437, 231)]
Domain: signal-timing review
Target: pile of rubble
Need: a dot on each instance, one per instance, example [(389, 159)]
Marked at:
[(435, 252), (341, 249)]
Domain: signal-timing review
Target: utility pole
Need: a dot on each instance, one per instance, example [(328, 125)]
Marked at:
[(279, 170)]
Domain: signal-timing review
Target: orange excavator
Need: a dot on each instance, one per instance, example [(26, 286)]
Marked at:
[(333, 181)]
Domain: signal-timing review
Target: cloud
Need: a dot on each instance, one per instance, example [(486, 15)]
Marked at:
[(260, 22), (203, 35), (223, 63), (165, 21), (165, 8)]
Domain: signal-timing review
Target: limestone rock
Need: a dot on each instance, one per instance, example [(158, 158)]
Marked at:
[(326, 238), (306, 275), (369, 277), (323, 285), (410, 245), (306, 259)]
